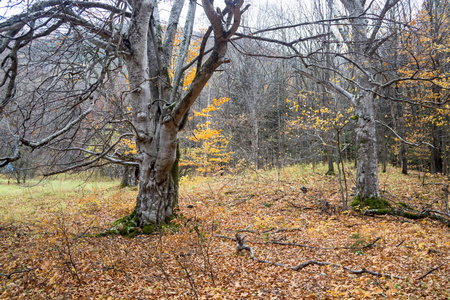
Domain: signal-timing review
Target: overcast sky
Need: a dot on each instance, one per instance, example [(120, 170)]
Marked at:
[(165, 6), (202, 21)]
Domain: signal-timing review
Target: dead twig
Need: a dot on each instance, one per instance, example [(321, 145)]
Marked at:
[(17, 272), (399, 244), (429, 272), (371, 244)]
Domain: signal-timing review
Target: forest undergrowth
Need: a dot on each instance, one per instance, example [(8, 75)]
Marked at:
[(298, 243)]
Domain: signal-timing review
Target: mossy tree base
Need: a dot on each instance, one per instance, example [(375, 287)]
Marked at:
[(127, 227), (370, 203)]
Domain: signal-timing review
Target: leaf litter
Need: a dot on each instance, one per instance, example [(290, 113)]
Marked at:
[(56, 254)]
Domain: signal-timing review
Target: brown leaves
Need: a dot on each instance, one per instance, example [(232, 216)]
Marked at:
[(191, 262)]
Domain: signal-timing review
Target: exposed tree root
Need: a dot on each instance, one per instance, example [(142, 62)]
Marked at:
[(411, 214)]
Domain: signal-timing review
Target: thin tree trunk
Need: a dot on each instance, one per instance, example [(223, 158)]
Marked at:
[(330, 161)]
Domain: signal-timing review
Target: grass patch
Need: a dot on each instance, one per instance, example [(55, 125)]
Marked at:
[(36, 200)]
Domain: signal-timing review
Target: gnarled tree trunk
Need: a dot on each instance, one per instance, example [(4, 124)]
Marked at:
[(159, 109)]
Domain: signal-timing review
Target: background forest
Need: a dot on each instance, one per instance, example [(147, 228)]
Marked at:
[(261, 110)]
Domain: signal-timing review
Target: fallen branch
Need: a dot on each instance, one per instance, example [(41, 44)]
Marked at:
[(429, 272), (371, 244), (287, 229), (312, 262), (240, 245), (438, 212), (364, 270), (17, 272), (276, 243), (410, 214), (399, 244)]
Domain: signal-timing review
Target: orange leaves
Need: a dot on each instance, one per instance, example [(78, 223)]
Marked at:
[(162, 266), (193, 52), (127, 145)]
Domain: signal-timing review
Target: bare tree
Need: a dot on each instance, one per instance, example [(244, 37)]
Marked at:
[(114, 32)]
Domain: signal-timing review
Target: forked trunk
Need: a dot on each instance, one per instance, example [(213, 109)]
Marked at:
[(159, 110)]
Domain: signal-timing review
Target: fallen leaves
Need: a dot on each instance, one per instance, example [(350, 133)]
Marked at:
[(194, 261)]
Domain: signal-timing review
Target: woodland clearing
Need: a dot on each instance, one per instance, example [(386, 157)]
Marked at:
[(304, 246)]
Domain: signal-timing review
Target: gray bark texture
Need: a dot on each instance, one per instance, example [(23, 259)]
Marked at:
[(364, 47), (158, 108)]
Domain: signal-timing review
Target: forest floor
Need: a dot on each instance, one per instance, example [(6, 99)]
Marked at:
[(304, 246)]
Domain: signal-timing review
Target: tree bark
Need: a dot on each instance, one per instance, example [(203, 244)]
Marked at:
[(367, 163), (159, 110), (129, 176)]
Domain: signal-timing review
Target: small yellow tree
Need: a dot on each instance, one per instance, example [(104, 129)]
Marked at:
[(210, 151)]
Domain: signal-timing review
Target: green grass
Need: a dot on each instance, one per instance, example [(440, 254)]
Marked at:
[(35, 199)]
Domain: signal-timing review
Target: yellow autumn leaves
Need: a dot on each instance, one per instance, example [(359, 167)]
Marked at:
[(210, 149)]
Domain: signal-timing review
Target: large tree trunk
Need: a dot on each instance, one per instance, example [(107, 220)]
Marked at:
[(364, 47), (158, 192), (158, 109), (367, 163)]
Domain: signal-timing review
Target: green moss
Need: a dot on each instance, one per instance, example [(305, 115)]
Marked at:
[(127, 227), (404, 205), (370, 203), (129, 218), (150, 228), (410, 215)]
